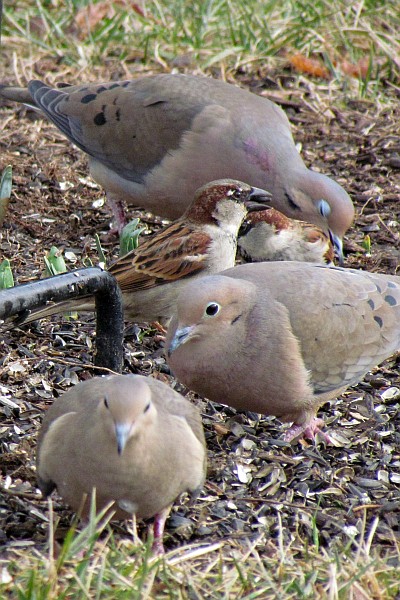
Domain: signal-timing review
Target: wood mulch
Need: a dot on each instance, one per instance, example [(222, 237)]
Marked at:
[(254, 477)]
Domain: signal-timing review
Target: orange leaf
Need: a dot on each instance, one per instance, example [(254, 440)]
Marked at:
[(310, 66)]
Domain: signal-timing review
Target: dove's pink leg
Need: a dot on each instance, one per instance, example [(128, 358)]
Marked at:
[(118, 212), (307, 430), (158, 529)]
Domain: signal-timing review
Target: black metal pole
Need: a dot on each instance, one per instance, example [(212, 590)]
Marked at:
[(82, 282), (109, 325)]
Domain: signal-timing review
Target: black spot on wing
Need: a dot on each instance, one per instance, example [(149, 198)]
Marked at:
[(390, 300), (100, 119), (379, 321), (88, 98)]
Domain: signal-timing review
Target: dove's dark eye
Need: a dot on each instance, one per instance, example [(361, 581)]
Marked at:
[(212, 309), (324, 208)]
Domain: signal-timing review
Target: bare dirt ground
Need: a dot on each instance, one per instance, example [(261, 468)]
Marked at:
[(254, 477)]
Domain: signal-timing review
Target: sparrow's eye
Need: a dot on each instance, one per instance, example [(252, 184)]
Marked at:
[(245, 227), (212, 309), (106, 403), (236, 193)]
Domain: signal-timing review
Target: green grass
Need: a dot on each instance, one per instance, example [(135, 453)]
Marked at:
[(233, 33), (92, 563)]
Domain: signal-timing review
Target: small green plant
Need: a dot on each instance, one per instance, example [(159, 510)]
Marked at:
[(366, 244), (100, 252), (6, 276), (129, 238), (5, 192), (55, 265), (54, 262)]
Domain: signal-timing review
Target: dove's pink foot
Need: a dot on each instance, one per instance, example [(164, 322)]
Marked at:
[(307, 430), (118, 212)]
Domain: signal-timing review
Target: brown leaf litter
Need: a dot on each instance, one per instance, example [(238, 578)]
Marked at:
[(258, 486)]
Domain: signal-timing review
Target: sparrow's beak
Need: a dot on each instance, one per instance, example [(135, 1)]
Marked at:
[(181, 336), (258, 200), (338, 246), (122, 433)]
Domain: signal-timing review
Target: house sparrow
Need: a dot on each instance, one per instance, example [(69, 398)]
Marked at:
[(268, 235), (201, 242)]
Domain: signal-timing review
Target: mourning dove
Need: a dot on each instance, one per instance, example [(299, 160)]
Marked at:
[(282, 338), (268, 235), (132, 438), (153, 141), (203, 241)]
